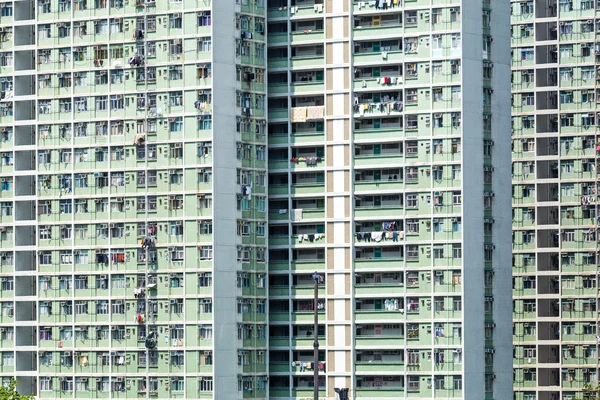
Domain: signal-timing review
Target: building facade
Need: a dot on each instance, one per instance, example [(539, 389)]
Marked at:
[(117, 281), (555, 244), (146, 144), (388, 170)]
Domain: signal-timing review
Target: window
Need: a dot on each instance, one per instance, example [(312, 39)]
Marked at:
[(81, 307), (205, 332), (204, 18), (204, 44), (205, 252), (456, 93), (205, 306), (176, 306), (205, 384), (7, 284), (456, 251), (45, 384), (205, 279), (587, 73), (175, 47), (117, 307)]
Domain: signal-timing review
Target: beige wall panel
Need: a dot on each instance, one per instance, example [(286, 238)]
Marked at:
[(346, 181), (348, 284), (330, 181), (329, 80), (329, 104), (347, 129), (330, 259), (346, 155), (330, 284), (328, 53), (330, 335), (347, 78), (346, 52)]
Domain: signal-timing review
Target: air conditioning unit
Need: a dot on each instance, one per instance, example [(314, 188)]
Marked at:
[(59, 75)]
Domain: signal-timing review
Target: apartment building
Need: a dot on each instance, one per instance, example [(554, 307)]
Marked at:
[(124, 138), (388, 175), (555, 244), (144, 146)]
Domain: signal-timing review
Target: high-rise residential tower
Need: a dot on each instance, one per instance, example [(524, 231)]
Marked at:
[(138, 173), (555, 190), (389, 174), (128, 128)]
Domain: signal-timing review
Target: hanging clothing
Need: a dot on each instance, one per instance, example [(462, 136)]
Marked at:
[(377, 236)]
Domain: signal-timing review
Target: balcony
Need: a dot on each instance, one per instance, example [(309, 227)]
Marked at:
[(384, 183), (381, 263), (379, 156), (364, 32), (378, 57), (379, 366), (306, 36), (307, 188), (307, 61), (295, 316), (379, 340), (379, 315), (277, 12), (380, 392), (391, 289)]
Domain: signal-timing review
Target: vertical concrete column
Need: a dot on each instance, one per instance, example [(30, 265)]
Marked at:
[(338, 194)]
